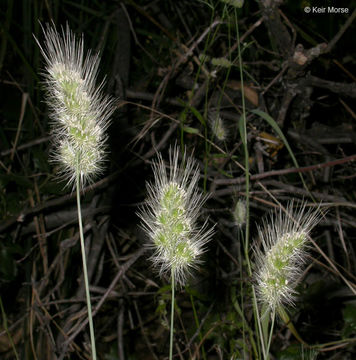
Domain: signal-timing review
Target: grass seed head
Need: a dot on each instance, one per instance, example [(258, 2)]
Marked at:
[(78, 109), (217, 125), (284, 238), (239, 213), (170, 215)]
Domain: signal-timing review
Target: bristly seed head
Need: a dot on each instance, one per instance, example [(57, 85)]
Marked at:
[(217, 125), (284, 238), (170, 214), (79, 110), (239, 213)]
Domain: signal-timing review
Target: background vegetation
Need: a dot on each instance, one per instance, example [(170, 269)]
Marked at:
[(174, 68)]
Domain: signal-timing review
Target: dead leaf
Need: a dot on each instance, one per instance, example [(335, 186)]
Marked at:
[(250, 94)]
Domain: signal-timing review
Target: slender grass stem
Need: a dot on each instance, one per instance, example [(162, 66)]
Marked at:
[(258, 321), (243, 130), (238, 309), (271, 331), (172, 319), (244, 141), (85, 270), (4, 323)]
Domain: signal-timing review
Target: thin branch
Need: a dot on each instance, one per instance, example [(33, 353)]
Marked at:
[(266, 174)]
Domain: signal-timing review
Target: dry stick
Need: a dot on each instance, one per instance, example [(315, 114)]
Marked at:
[(140, 95), (164, 139), (120, 319), (31, 325), (342, 240), (189, 51), (347, 72), (337, 37), (289, 24), (347, 107), (195, 355), (284, 68), (152, 20), (198, 330), (144, 334), (26, 145), (288, 97), (145, 129), (40, 232), (120, 331), (133, 32), (182, 60), (22, 115), (244, 36), (20, 218), (351, 286), (122, 271), (346, 89), (291, 190), (241, 180), (48, 316)]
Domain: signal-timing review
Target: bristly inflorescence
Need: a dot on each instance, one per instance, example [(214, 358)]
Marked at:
[(217, 125), (239, 213), (79, 110), (170, 214), (284, 237)]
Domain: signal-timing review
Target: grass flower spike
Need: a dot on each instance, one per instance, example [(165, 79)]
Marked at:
[(239, 213), (170, 217), (79, 113), (217, 126), (284, 240), (79, 110)]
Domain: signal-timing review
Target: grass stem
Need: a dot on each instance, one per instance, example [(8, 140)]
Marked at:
[(85, 270), (172, 319), (4, 323)]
